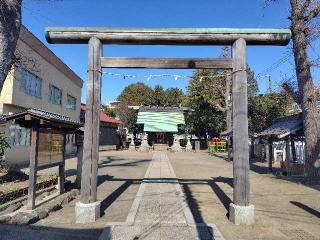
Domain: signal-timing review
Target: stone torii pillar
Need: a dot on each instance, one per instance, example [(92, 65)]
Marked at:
[(240, 212), (88, 209)]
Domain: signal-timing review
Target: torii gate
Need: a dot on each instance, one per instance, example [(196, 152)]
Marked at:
[(240, 212)]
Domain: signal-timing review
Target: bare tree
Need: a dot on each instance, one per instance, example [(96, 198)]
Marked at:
[(10, 22), (226, 106), (302, 14), (305, 28)]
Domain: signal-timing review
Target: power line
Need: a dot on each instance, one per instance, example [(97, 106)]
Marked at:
[(38, 16)]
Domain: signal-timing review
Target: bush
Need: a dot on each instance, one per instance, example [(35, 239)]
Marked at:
[(3, 146)]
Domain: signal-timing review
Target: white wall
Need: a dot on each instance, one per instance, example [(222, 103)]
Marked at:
[(13, 99)]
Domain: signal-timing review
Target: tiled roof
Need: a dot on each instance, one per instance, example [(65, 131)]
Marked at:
[(104, 117), (43, 115), (284, 126), (230, 132)]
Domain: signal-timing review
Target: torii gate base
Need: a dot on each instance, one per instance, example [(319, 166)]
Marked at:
[(241, 212), (87, 212), (241, 215)]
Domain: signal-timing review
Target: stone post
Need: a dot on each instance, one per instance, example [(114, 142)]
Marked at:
[(188, 146), (132, 147), (176, 145), (144, 144)]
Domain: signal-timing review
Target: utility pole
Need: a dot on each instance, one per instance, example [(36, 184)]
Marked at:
[(270, 83)]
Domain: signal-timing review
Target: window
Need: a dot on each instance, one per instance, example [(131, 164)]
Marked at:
[(30, 83), (55, 95), (71, 103), (19, 136)]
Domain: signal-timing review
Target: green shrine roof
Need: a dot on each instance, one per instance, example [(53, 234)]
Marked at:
[(160, 120)]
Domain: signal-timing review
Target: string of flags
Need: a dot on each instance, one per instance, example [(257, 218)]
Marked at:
[(151, 76)]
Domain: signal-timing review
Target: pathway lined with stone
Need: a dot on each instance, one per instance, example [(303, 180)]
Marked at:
[(160, 210)]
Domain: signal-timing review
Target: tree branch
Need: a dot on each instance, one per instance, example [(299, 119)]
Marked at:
[(220, 108), (291, 92), (306, 4), (313, 14), (221, 92)]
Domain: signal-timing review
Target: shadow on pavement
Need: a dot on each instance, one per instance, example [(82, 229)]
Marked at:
[(254, 165), (14, 232), (203, 229), (224, 199), (223, 157), (306, 208), (192, 202), (108, 163), (114, 195), (263, 169)]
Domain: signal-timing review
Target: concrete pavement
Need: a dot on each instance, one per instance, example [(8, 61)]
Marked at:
[(160, 210)]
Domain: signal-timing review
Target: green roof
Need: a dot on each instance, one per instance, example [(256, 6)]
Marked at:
[(160, 121)]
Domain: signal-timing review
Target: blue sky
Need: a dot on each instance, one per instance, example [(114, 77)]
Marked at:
[(38, 14)]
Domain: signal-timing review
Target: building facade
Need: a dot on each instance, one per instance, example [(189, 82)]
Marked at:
[(109, 138), (161, 123), (40, 80), (113, 104)]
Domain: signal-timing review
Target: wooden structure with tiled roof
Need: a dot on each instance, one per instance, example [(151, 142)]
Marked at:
[(288, 129), (50, 130)]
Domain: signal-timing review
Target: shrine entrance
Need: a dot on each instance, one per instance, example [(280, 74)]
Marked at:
[(160, 138), (241, 211)]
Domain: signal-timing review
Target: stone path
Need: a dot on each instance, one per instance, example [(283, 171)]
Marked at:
[(160, 210)]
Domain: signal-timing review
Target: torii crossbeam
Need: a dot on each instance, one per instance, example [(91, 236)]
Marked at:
[(241, 212)]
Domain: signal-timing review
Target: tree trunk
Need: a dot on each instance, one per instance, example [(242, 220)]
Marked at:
[(307, 94), (228, 102), (10, 22), (228, 93)]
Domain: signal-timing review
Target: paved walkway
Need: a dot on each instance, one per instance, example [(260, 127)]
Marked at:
[(160, 210)]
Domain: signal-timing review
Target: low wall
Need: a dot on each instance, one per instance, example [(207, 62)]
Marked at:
[(107, 147)]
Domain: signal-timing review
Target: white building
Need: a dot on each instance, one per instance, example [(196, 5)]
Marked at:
[(42, 81)]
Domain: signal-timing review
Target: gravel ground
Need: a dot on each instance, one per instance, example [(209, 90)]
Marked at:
[(119, 177), (284, 209)]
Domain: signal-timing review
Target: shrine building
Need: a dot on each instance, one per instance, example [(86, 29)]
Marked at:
[(161, 123)]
